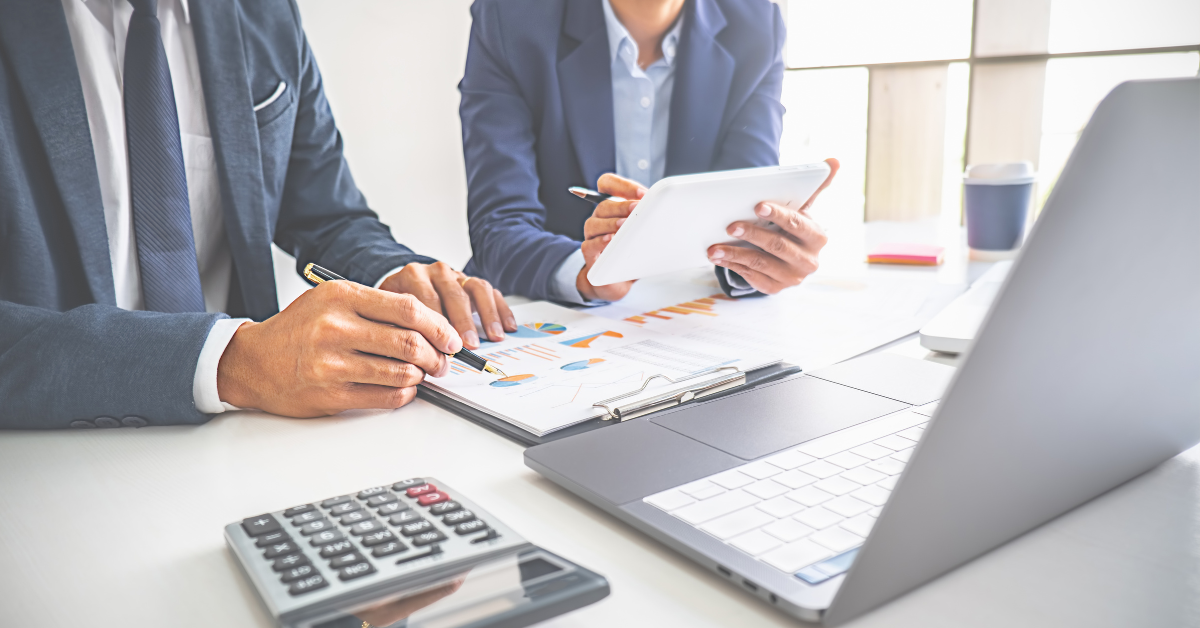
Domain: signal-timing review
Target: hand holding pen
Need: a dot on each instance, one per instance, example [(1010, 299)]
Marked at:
[(612, 209), (316, 275), (339, 346)]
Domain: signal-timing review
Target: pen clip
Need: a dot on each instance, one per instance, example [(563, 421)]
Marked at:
[(312, 277)]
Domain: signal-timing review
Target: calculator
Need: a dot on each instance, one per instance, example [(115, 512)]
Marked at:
[(374, 547)]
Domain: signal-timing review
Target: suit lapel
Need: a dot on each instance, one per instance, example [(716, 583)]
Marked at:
[(702, 81), (235, 140), (37, 43), (585, 83)]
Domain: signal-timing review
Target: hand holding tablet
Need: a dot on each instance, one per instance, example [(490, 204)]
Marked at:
[(753, 222), (598, 231)]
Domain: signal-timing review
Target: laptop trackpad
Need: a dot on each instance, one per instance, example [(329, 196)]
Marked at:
[(773, 417)]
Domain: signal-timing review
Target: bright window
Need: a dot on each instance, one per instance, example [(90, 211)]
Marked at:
[(865, 86), (1075, 85), (1090, 25), (852, 32), (827, 117)]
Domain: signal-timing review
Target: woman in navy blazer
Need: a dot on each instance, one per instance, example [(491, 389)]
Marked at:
[(538, 116)]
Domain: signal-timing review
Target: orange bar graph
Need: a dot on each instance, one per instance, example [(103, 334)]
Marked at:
[(536, 355), (655, 314), (637, 319)]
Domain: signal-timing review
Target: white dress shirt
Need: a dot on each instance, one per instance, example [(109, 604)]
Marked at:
[(641, 119), (98, 29)]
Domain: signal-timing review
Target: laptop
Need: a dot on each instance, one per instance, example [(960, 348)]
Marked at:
[(829, 493)]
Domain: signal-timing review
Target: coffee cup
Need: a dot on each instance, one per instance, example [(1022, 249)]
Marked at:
[(997, 199)]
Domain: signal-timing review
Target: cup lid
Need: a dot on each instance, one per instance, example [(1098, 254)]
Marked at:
[(1000, 174)]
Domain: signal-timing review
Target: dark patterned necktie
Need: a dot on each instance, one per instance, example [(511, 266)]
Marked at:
[(162, 218)]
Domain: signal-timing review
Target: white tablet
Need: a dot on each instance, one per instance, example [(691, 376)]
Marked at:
[(680, 217)]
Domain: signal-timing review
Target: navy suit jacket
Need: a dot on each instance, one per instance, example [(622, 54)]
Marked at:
[(67, 353), (537, 117)]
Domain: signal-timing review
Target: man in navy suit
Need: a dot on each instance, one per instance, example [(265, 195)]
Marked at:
[(560, 93), (150, 152)]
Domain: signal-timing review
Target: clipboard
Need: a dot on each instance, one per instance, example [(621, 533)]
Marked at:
[(707, 389)]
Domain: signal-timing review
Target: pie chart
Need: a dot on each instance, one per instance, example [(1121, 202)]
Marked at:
[(538, 330), (585, 342), (513, 380), (582, 364)]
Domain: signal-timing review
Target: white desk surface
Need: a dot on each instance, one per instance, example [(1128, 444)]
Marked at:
[(123, 528)]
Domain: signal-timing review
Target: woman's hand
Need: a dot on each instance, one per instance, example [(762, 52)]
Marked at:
[(783, 258), (598, 231)]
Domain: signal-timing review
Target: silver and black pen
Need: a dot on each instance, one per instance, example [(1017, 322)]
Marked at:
[(317, 275), (592, 196)]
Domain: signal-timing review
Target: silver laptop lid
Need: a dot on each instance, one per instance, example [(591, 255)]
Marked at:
[(1086, 372)]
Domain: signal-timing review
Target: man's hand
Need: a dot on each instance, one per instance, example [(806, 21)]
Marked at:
[(782, 259), (598, 231), (337, 347), (445, 290)]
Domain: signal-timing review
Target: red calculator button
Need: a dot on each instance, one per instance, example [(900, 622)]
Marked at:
[(421, 490), (430, 499)]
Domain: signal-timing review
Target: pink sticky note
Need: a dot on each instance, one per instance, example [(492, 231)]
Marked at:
[(906, 253)]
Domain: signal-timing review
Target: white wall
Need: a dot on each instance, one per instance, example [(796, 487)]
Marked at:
[(391, 71)]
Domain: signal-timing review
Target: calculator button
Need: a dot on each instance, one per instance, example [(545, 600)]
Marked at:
[(279, 549), (417, 491), (393, 507), (260, 525), (407, 484), (296, 573), (413, 529), (491, 534), (457, 517), (334, 501), (298, 510), (379, 500), (445, 507), (402, 518), (345, 560), (364, 527), (274, 537), (344, 508), (290, 561), (357, 570), (429, 499), (314, 527), (354, 517), (371, 491), (433, 550), (426, 538), (311, 583), (387, 549), (470, 527), (336, 549), (306, 517), (377, 538), (325, 537)]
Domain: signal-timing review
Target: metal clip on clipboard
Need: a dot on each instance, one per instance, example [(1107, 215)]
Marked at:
[(673, 398)]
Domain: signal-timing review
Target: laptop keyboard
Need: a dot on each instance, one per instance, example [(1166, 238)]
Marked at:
[(807, 510)]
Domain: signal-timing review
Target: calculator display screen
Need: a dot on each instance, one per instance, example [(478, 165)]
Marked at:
[(496, 590)]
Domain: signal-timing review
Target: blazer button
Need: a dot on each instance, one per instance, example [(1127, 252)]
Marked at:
[(82, 425), (133, 421), (106, 421)]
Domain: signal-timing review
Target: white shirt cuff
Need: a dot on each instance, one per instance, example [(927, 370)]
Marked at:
[(204, 384), (738, 285), (562, 284), (386, 275)]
